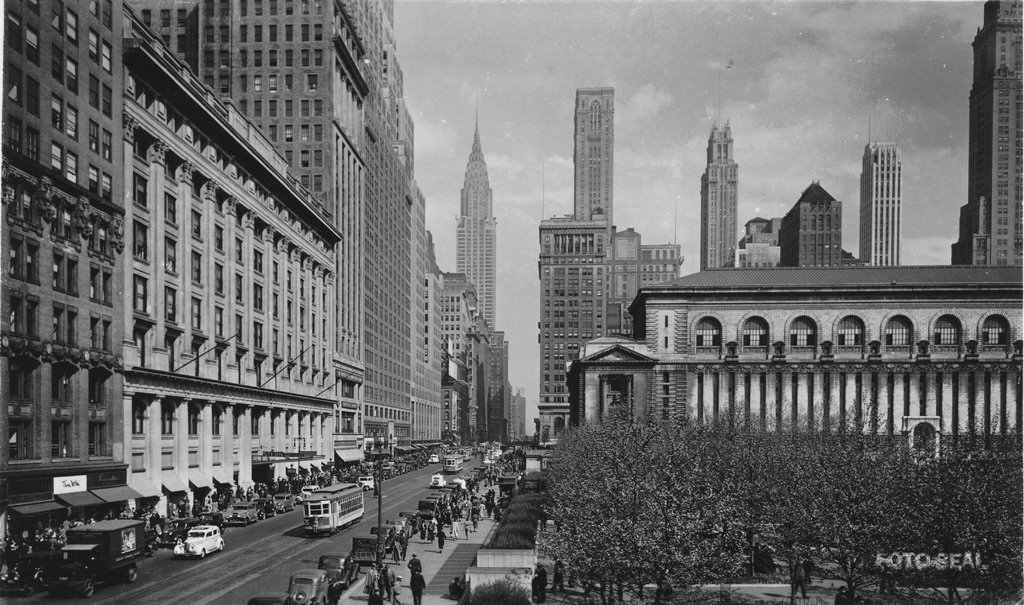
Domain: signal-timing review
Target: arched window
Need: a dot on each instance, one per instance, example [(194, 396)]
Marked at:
[(898, 332), (947, 331), (803, 333), (851, 332), (709, 333), (559, 425), (595, 115), (995, 330), (755, 332)]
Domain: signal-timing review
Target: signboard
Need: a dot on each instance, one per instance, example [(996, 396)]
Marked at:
[(127, 540), (911, 561), (69, 485)]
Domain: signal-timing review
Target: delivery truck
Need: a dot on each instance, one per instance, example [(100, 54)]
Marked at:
[(95, 554)]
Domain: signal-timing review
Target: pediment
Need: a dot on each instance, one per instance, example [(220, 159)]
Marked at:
[(618, 353)]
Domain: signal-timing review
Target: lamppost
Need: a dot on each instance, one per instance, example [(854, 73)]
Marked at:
[(298, 443), (379, 446)]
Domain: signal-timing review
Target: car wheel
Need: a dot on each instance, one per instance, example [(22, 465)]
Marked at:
[(88, 588), (202, 554), (131, 574), (28, 590)]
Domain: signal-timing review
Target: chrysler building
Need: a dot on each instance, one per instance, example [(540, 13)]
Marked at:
[(476, 239)]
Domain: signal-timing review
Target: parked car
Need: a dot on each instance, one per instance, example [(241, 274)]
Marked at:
[(284, 502), (366, 482), (308, 587), (175, 530), (270, 598), (433, 459), (212, 518), (265, 508), (438, 480), (201, 541), (339, 568), (242, 513)]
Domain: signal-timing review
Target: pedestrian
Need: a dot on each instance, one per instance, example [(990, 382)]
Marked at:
[(430, 533), (542, 583), (476, 521), (455, 529), (557, 581), (798, 579), (415, 565), (465, 528), (372, 586), (417, 583), (423, 532), (388, 578), (396, 589), (396, 550), (403, 543), (808, 566), (440, 540)]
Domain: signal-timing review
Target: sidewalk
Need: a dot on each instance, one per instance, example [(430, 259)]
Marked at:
[(438, 567)]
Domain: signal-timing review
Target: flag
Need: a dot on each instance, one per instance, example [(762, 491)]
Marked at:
[(731, 63)]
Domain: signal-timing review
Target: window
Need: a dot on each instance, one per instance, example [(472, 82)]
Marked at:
[(141, 294), (995, 331), (71, 81), (947, 331), (197, 314), (97, 441), (94, 91), (31, 44), (60, 439), (218, 278), (167, 417), (709, 332), (139, 189), (94, 45), (170, 208), (13, 31), (218, 321), (105, 59), (197, 267), (71, 26), (56, 157), (71, 122), (802, 333), (170, 304), (239, 250), (257, 297), (257, 261), (140, 243), (239, 285), (107, 101), (61, 383), (311, 82), (218, 238), (851, 332), (57, 113), (197, 224), (107, 145)]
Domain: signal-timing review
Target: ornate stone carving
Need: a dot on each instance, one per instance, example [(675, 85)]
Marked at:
[(117, 234), (186, 172), (329, 278), (82, 217), (129, 123), (7, 175), (157, 153), (268, 234), (44, 199), (248, 221), (230, 206), (208, 192)]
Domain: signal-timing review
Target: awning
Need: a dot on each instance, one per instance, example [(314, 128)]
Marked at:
[(199, 480), (304, 463), (172, 484), (222, 476), (349, 455), (145, 488), (78, 499), (402, 449), (117, 494), (36, 508)]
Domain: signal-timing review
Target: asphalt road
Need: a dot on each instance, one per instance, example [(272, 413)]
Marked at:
[(258, 558)]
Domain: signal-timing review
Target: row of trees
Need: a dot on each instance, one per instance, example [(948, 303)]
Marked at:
[(675, 505)]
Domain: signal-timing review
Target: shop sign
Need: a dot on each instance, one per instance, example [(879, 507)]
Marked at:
[(107, 479), (911, 561), (68, 485)]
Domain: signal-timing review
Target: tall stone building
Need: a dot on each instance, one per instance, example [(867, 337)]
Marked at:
[(517, 416), (991, 220), (594, 154), (476, 235), (811, 234), (881, 194), (759, 246), (63, 239), (718, 191)]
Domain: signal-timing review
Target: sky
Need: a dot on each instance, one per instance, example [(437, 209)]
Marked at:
[(808, 81)]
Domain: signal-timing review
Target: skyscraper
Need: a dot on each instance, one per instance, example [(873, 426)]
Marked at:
[(594, 154), (476, 233), (881, 191), (718, 201), (811, 234), (990, 221)]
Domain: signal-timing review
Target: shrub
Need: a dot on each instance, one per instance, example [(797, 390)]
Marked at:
[(501, 592), (518, 528)]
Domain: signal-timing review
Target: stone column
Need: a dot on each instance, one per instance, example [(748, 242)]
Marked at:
[(245, 447), (803, 413), (206, 439), (786, 401), (756, 401), (997, 420), (695, 390), (706, 405), (964, 420), (978, 416), (851, 397), (915, 392), (740, 397), (1012, 392), (154, 463), (817, 398), (834, 401), (723, 395), (181, 439), (947, 401), (771, 404), (228, 440), (127, 417)]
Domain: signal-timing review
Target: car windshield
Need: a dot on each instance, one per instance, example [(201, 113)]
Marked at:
[(197, 534), (330, 562), (308, 581)]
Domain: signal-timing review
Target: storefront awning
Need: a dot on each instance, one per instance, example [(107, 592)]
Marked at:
[(349, 455), (402, 449), (36, 508), (79, 499), (222, 476), (199, 480), (122, 493), (172, 484), (145, 488)]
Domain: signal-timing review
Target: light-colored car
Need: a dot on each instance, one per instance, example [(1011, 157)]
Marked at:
[(200, 541), (284, 502), (242, 513), (438, 480), (308, 587), (433, 459), (366, 482)]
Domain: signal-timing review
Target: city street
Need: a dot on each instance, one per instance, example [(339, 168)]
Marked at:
[(256, 559)]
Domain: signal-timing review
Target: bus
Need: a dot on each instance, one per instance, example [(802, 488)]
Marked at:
[(330, 509), (453, 464)]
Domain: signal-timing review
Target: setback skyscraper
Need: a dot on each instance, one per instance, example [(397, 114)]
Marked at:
[(718, 201), (476, 233), (881, 219), (594, 154), (990, 221)]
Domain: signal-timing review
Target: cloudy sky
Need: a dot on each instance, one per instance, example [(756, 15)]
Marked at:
[(806, 78)]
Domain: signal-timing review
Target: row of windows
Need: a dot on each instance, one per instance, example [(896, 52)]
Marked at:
[(21, 445), (898, 331), (23, 264)]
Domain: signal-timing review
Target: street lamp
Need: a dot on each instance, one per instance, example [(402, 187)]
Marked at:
[(298, 443), (379, 446)]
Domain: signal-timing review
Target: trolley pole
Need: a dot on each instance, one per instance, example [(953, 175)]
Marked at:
[(379, 446)]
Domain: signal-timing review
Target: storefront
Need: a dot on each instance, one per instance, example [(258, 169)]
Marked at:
[(178, 504)]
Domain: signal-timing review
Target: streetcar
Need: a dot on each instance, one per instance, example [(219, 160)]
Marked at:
[(330, 509), (453, 464)]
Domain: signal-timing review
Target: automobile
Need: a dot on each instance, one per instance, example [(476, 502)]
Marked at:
[(366, 482), (438, 480), (201, 541), (433, 459), (270, 598), (308, 587), (212, 518), (339, 568), (265, 508), (284, 502), (242, 513), (175, 530)]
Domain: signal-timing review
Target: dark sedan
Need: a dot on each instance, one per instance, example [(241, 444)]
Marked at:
[(175, 530)]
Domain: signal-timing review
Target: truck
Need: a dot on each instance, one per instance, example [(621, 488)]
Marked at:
[(102, 552), (364, 550)]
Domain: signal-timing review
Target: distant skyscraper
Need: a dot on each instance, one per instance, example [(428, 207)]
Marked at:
[(594, 154), (881, 219), (990, 221), (475, 234), (812, 231), (718, 188), (759, 247)]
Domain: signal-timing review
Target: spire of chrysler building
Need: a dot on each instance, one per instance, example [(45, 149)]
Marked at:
[(476, 234)]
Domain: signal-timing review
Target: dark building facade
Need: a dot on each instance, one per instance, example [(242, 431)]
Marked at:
[(811, 233)]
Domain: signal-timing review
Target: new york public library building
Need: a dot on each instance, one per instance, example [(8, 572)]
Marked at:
[(925, 353)]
